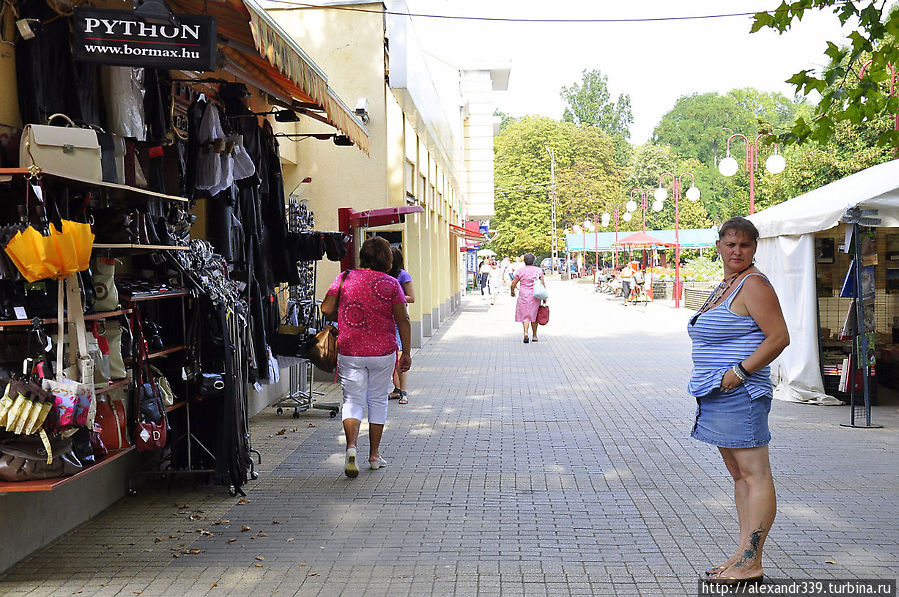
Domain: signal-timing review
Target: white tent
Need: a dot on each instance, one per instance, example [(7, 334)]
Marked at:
[(787, 255)]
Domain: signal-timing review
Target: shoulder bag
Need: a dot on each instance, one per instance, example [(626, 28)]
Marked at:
[(323, 350), (151, 425)]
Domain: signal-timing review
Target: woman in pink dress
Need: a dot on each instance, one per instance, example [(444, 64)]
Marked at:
[(526, 306)]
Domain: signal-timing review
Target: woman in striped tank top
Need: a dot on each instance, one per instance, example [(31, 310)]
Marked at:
[(736, 334)]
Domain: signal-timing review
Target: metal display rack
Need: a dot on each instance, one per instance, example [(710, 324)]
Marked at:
[(300, 394)]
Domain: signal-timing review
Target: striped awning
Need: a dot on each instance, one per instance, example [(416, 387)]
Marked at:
[(256, 45)]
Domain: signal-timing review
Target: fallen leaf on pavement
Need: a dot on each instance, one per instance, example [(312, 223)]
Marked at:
[(312, 574), (261, 534), (260, 558), (258, 565), (282, 432), (244, 528), (276, 522), (232, 539), (243, 501)]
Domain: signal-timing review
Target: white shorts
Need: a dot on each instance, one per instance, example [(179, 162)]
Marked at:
[(366, 382)]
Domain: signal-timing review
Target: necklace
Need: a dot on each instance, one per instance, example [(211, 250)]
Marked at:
[(719, 292)]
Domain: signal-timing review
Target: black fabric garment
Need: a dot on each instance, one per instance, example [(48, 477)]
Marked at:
[(158, 92), (194, 117), (49, 81), (284, 269)]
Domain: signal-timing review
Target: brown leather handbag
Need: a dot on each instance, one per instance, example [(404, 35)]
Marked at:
[(323, 351)]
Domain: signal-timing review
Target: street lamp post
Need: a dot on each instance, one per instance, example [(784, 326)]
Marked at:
[(660, 195), (595, 240), (606, 219), (775, 163)]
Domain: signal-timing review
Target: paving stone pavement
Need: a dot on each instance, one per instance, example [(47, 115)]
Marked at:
[(563, 467)]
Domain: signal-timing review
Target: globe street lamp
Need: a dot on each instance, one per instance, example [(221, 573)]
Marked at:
[(660, 195), (606, 219), (775, 163)]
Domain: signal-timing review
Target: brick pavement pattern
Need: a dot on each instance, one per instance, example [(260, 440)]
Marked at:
[(557, 468)]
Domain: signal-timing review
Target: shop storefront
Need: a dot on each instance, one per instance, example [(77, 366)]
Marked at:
[(142, 202), (807, 249)]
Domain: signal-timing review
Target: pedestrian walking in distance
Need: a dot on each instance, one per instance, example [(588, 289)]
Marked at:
[(526, 306), (405, 280), (736, 334), (369, 310)]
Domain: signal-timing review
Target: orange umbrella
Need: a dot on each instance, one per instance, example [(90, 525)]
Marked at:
[(55, 256)]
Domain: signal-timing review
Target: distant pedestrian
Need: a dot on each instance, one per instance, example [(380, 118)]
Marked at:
[(371, 303), (495, 281), (405, 280), (483, 274), (526, 306), (736, 334)]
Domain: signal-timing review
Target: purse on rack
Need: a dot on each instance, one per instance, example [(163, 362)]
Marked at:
[(110, 332), (25, 459), (107, 295), (211, 384), (113, 421), (73, 389), (165, 388), (150, 430), (68, 150)]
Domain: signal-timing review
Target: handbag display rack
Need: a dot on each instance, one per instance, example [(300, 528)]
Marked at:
[(303, 313)]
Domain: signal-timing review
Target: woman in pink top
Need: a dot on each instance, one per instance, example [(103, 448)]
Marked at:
[(527, 305), (369, 305)]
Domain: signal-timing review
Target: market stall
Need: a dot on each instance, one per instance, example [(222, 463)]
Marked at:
[(802, 251)]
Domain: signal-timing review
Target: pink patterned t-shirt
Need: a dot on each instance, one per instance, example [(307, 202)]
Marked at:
[(365, 325)]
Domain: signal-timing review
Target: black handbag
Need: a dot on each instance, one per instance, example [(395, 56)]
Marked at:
[(210, 384)]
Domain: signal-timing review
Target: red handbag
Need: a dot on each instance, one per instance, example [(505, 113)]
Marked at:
[(542, 315), (113, 423), (149, 434)]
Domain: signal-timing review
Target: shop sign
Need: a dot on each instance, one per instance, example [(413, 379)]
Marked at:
[(122, 38)]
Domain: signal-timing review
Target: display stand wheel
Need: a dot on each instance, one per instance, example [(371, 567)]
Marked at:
[(280, 410), (296, 413), (333, 413), (232, 491)]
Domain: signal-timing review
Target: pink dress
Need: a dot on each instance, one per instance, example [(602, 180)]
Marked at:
[(527, 305), (365, 324)]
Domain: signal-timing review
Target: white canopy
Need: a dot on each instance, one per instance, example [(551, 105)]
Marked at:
[(786, 255), (876, 187)]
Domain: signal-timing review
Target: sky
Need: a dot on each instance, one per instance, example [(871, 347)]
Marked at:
[(653, 62)]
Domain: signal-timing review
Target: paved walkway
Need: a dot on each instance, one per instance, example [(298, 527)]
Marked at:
[(557, 468)]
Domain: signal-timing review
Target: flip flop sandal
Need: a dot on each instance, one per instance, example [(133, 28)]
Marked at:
[(403, 398)]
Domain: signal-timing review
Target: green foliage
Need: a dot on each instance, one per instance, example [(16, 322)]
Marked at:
[(843, 97), (505, 119), (589, 104), (587, 179)]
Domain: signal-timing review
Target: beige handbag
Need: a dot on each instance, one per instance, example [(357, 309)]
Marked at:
[(67, 150)]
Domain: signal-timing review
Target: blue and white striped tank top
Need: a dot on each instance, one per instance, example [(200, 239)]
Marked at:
[(721, 339)]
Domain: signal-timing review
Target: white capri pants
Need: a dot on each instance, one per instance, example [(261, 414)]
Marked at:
[(366, 381)]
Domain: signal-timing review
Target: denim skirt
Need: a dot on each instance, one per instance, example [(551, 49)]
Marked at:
[(732, 419)]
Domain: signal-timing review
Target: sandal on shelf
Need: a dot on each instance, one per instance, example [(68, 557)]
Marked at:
[(403, 398)]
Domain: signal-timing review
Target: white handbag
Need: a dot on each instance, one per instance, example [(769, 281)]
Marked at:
[(67, 150), (540, 290)]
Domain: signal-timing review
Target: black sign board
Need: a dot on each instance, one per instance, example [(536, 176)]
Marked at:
[(122, 38)]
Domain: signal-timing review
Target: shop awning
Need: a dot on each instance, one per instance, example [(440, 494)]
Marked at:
[(466, 233), (641, 239), (258, 47), (384, 216)]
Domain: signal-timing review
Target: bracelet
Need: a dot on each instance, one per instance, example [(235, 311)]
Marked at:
[(737, 371), (743, 369)]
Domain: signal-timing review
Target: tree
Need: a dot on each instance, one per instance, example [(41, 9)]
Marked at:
[(589, 104), (699, 124), (587, 178), (505, 119), (843, 97)]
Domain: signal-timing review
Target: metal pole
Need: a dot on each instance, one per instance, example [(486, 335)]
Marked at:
[(552, 189), (752, 154), (677, 280), (616, 236), (595, 244)]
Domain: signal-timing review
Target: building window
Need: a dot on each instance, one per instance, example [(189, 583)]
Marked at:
[(422, 185), (409, 179)]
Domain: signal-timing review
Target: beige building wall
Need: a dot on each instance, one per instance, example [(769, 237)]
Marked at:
[(350, 47)]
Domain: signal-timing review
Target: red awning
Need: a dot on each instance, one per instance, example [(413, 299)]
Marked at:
[(383, 216), (641, 239), (467, 233)]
